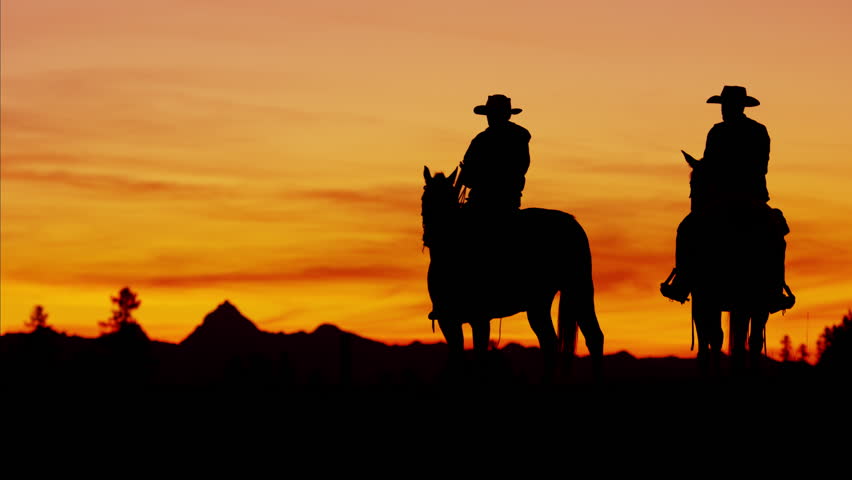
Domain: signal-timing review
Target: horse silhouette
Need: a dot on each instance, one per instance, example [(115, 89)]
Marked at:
[(729, 271), (538, 254)]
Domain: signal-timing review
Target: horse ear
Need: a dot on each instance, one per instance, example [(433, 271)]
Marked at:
[(689, 159), (427, 175), (453, 176)]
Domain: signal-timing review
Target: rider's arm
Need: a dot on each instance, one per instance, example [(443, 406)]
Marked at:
[(470, 165)]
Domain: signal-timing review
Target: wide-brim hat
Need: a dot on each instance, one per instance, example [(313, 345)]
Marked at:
[(736, 95), (496, 104)]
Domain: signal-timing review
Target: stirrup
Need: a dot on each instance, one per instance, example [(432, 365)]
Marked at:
[(783, 302), (672, 290)]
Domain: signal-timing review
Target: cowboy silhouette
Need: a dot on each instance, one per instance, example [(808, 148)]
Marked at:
[(736, 158), (497, 160)]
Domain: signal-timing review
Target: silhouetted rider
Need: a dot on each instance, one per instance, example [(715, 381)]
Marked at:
[(737, 152), (497, 160), (736, 158)]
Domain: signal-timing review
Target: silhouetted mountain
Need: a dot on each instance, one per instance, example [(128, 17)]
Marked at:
[(225, 327)]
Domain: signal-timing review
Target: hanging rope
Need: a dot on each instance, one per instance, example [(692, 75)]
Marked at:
[(692, 347)]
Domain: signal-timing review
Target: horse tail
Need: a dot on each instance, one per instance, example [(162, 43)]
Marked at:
[(566, 331), (577, 299)]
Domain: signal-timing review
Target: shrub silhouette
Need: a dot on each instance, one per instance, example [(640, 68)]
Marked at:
[(38, 319)]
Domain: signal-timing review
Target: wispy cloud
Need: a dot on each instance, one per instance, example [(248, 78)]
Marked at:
[(111, 185), (317, 276)]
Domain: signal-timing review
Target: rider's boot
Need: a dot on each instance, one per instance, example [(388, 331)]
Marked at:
[(675, 287), (782, 299)]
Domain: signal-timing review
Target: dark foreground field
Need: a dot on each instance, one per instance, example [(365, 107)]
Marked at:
[(233, 385)]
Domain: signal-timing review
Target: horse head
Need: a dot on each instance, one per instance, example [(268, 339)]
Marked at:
[(439, 203), (699, 182)]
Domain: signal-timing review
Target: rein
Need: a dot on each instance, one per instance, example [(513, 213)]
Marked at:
[(462, 195)]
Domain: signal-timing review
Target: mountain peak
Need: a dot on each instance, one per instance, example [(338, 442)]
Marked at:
[(223, 325), (327, 329)]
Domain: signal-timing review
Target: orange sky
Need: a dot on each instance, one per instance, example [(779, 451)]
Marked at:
[(271, 154)]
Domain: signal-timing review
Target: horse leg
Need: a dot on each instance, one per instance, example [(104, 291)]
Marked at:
[(701, 320), (739, 322), (481, 330), (756, 339), (708, 329), (454, 337), (542, 325), (699, 323)]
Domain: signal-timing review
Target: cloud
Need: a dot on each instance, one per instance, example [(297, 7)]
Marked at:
[(144, 277), (310, 275), (110, 184), (387, 199)]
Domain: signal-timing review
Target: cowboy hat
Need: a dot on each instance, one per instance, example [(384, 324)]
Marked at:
[(496, 104), (734, 94)]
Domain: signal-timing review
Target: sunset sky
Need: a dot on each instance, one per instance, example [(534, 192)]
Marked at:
[(271, 152)]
